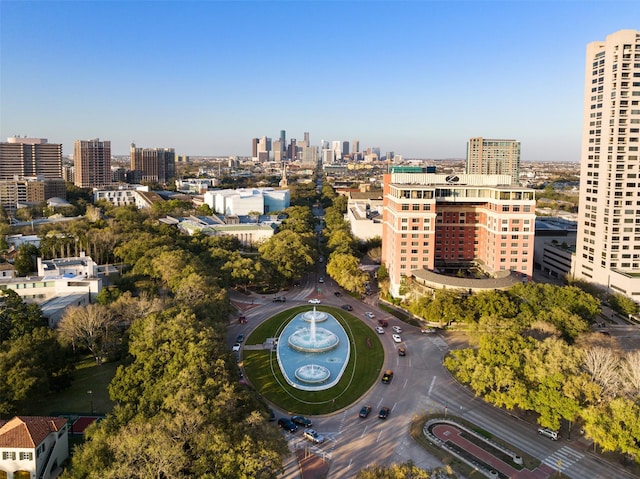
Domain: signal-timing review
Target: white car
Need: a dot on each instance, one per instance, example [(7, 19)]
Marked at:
[(313, 436), (397, 329), (396, 338), (379, 330), (236, 348), (314, 301), (369, 315)]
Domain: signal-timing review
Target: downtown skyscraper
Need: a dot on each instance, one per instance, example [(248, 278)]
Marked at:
[(608, 241)]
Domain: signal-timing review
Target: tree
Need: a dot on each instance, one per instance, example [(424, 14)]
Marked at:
[(92, 326), (622, 304), (406, 470), (602, 366), (31, 366), (289, 254), (17, 318), (25, 261), (344, 269)]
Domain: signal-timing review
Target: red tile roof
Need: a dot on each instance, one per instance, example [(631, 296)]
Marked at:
[(28, 431)]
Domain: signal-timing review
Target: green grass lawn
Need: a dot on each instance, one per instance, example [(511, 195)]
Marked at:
[(362, 371), (77, 399)]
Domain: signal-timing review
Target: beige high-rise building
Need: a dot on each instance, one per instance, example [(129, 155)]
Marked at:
[(92, 163), (22, 157), (493, 157), (608, 242)]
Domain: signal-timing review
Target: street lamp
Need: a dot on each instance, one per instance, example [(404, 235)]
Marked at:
[(90, 393)]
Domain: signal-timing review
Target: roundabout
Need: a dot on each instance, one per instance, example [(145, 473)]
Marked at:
[(312, 361)]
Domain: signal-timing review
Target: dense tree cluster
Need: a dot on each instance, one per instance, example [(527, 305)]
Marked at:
[(343, 264), (33, 362), (535, 351)]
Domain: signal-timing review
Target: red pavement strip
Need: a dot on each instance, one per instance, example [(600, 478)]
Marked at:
[(448, 432), (82, 423)]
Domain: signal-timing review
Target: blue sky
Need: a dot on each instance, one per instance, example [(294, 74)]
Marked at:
[(415, 77)]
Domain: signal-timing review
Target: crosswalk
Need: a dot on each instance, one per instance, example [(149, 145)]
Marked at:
[(563, 458)]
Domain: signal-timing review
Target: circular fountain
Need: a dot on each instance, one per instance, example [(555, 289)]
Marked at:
[(313, 358), (313, 339)]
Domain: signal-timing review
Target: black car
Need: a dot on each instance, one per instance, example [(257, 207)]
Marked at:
[(347, 307), (272, 415), (338, 294), (384, 412), (387, 376), (240, 338), (301, 421), (287, 425), (364, 412)]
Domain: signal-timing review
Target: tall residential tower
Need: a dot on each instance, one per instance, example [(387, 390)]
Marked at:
[(608, 242), (494, 157), (91, 163)]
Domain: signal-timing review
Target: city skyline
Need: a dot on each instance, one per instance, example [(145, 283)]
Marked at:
[(416, 78)]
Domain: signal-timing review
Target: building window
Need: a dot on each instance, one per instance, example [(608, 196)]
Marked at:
[(26, 456), (405, 207), (8, 455)]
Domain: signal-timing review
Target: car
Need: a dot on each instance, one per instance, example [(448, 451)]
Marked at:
[(369, 315), (242, 319), (428, 330), (397, 329), (396, 338), (383, 322), (347, 307), (384, 412), (301, 421), (387, 376), (314, 301), (297, 283), (279, 299), (313, 436), (235, 348), (287, 425), (402, 352), (337, 294), (379, 330), (320, 279), (364, 412), (240, 338), (550, 433)]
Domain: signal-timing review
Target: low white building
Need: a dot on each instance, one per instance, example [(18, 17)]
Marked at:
[(120, 195), (33, 447), (246, 200), (364, 214), (249, 231)]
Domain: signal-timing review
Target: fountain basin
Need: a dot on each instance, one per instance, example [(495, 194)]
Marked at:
[(313, 358)]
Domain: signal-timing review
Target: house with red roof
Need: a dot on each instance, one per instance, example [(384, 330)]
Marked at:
[(33, 447)]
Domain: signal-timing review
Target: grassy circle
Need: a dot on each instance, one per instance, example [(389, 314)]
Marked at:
[(363, 368)]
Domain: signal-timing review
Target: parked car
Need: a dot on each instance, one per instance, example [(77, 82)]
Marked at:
[(364, 412), (402, 352), (347, 307), (287, 425), (314, 301), (235, 348), (301, 421), (240, 338), (387, 376), (396, 338), (369, 315), (397, 329), (384, 412), (313, 436), (551, 434)]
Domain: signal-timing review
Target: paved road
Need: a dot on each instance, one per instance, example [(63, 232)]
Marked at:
[(420, 385)]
